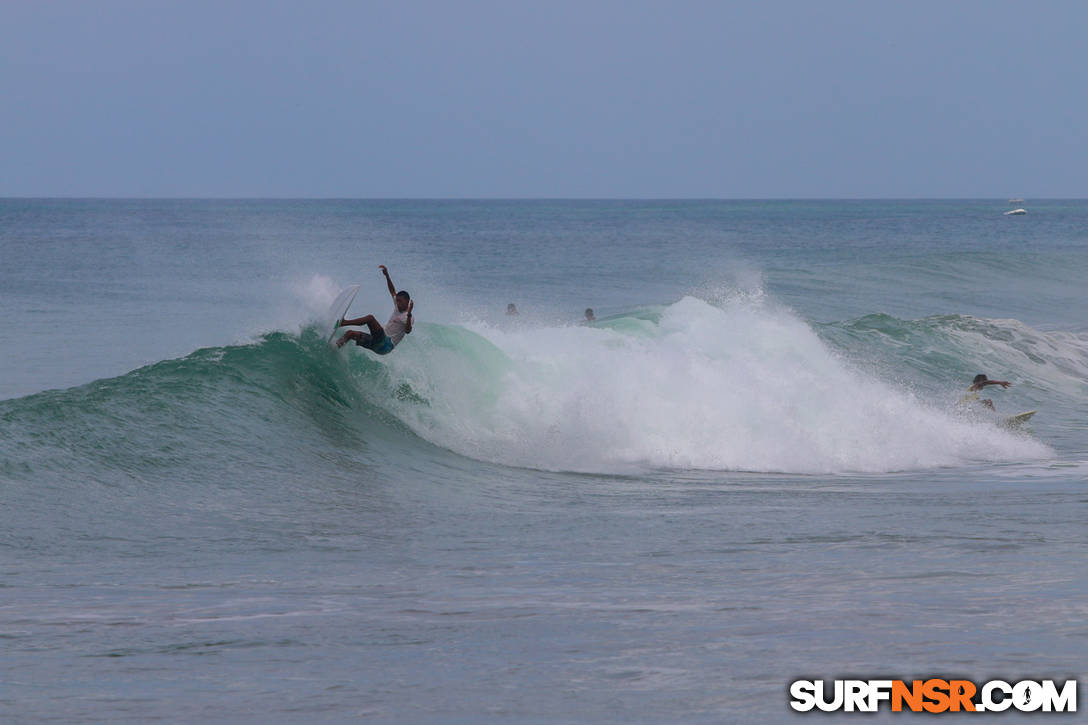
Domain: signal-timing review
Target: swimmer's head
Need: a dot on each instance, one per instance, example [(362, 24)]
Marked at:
[(403, 298), (980, 378)]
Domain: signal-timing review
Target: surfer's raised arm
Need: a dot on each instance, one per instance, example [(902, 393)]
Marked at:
[(388, 281)]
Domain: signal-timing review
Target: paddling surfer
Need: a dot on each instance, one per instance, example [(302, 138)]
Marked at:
[(378, 339)]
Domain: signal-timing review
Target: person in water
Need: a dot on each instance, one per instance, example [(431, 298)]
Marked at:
[(511, 310), (980, 382), (378, 339), (590, 317)]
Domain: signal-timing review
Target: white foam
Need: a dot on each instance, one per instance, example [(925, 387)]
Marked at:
[(316, 294), (740, 386)]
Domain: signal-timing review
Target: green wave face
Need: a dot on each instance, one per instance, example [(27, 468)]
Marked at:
[(192, 414)]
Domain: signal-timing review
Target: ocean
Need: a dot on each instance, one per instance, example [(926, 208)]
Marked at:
[(753, 467)]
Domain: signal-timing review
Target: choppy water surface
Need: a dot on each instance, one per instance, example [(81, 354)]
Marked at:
[(752, 468)]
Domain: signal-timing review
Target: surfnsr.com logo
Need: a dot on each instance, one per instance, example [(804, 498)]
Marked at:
[(934, 695)]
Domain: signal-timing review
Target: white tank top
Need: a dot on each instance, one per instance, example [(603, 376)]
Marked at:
[(394, 329)]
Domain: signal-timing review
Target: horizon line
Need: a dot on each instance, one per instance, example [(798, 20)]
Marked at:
[(539, 198)]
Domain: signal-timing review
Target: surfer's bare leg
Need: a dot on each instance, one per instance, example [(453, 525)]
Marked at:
[(370, 321), (349, 335)]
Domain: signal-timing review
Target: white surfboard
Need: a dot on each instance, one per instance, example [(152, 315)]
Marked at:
[(1015, 421), (339, 308)]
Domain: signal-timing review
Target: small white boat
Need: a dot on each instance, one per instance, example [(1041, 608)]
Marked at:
[(1016, 212), (1016, 201)]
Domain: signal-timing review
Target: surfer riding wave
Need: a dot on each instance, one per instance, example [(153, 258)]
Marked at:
[(378, 339)]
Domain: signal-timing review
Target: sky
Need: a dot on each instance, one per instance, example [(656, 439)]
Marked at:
[(558, 99)]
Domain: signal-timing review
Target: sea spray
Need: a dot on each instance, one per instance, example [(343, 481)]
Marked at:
[(744, 386)]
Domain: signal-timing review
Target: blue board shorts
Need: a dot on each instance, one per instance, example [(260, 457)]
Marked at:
[(379, 344)]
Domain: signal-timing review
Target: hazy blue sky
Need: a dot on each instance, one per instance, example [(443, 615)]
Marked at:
[(550, 98)]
